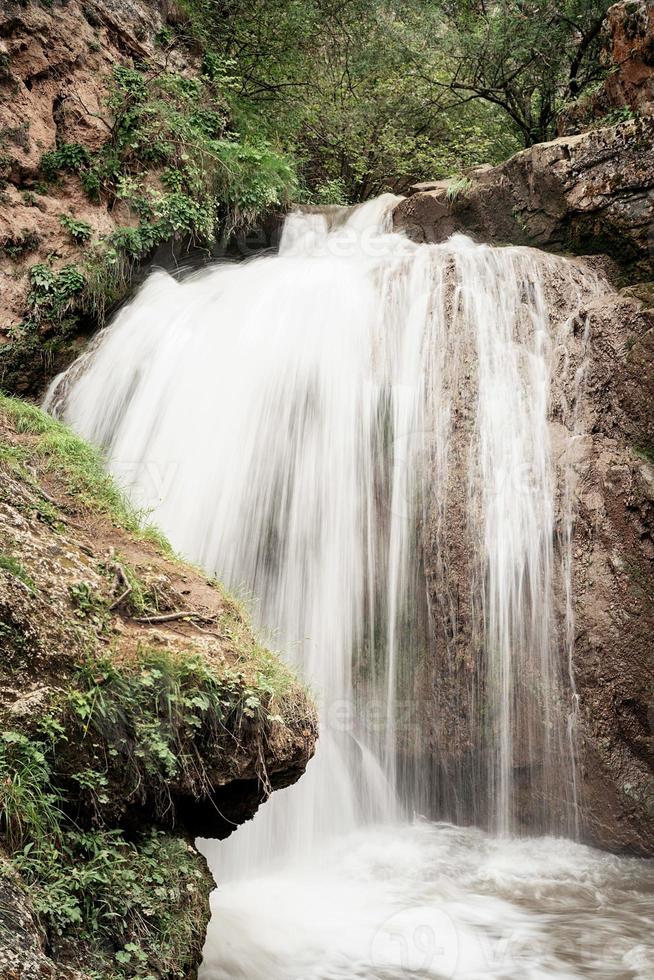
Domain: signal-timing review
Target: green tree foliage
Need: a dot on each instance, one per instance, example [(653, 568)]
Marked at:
[(349, 90), (371, 95), (527, 57)]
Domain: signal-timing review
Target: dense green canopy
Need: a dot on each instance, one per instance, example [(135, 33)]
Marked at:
[(370, 95)]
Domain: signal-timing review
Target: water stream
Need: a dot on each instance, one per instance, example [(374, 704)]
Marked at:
[(373, 441)]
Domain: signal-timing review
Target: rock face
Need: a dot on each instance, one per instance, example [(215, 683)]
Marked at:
[(56, 64), (613, 583), (587, 194), (630, 35), (593, 192), (135, 705)]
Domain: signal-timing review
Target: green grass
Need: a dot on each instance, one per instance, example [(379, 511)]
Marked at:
[(79, 465), (29, 806), (160, 718)]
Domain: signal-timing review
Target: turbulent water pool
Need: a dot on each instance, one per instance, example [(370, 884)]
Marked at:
[(435, 901)]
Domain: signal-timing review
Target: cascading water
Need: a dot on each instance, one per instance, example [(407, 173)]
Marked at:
[(371, 438)]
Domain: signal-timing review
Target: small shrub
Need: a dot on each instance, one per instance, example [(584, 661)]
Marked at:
[(79, 231), (162, 716), (52, 294), (68, 157), (646, 452), (5, 69)]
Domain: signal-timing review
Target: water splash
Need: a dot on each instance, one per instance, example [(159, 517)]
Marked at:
[(358, 432)]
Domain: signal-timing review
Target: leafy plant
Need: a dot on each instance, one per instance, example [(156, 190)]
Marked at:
[(140, 897), (79, 231), (53, 294), (68, 157)]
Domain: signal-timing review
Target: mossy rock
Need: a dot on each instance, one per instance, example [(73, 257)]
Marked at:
[(137, 710)]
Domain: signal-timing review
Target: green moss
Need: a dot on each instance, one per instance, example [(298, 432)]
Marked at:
[(645, 451)]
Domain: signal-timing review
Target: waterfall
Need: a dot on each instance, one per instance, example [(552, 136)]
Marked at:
[(374, 441)]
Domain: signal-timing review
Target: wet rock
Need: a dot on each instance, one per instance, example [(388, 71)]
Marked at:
[(591, 193)]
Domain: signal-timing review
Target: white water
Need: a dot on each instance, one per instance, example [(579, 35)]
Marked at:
[(433, 901), (311, 427)]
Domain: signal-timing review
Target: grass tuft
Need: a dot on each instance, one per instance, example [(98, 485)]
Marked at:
[(29, 807), (80, 466), (458, 187)]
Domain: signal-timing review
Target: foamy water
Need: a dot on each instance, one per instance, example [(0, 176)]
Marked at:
[(435, 901)]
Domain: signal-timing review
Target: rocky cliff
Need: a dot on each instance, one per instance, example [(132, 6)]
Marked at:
[(137, 711), (56, 64)]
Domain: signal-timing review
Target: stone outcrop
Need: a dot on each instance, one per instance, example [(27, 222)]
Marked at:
[(613, 584), (629, 31), (197, 725), (591, 193)]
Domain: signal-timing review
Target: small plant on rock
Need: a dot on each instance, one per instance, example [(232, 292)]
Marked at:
[(79, 231)]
